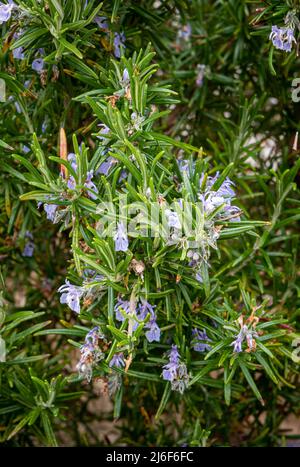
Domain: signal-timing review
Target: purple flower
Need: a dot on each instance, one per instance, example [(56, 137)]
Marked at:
[(90, 353), (247, 335), (142, 310), (125, 306), (106, 166), (92, 337), (50, 210), (119, 42), (185, 32), (225, 190), (104, 130), (125, 77), (237, 343), (25, 149), (185, 166), (175, 371), (153, 334), (282, 38), (38, 65), (199, 277), (6, 11), (194, 258), (117, 360), (199, 337), (170, 369), (200, 75), (90, 185), (71, 183), (72, 160), (145, 308), (18, 53), (101, 22), (71, 295), (123, 176), (213, 199), (90, 275), (173, 219), (18, 107), (121, 238), (44, 126), (29, 245)]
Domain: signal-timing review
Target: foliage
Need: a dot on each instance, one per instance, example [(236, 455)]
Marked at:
[(114, 111)]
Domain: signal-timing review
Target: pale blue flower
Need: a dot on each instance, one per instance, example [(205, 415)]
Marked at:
[(71, 183), (71, 295), (247, 335), (173, 219), (124, 305), (38, 65), (104, 130), (199, 339), (90, 353), (16, 103), (117, 360), (153, 333), (170, 369), (18, 53), (119, 43), (6, 11), (29, 245), (25, 149), (50, 210), (282, 38), (121, 238), (90, 185), (145, 308), (185, 32), (106, 166), (72, 160), (101, 22), (213, 199), (44, 126), (199, 277), (176, 372), (200, 70)]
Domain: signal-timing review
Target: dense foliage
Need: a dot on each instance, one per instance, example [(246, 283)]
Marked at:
[(149, 222)]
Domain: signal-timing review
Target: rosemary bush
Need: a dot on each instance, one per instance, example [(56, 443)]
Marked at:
[(149, 210)]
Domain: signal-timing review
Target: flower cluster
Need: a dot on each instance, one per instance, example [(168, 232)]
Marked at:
[(223, 196), (72, 294), (118, 39), (247, 334), (175, 371), (90, 353), (92, 190), (140, 312)]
